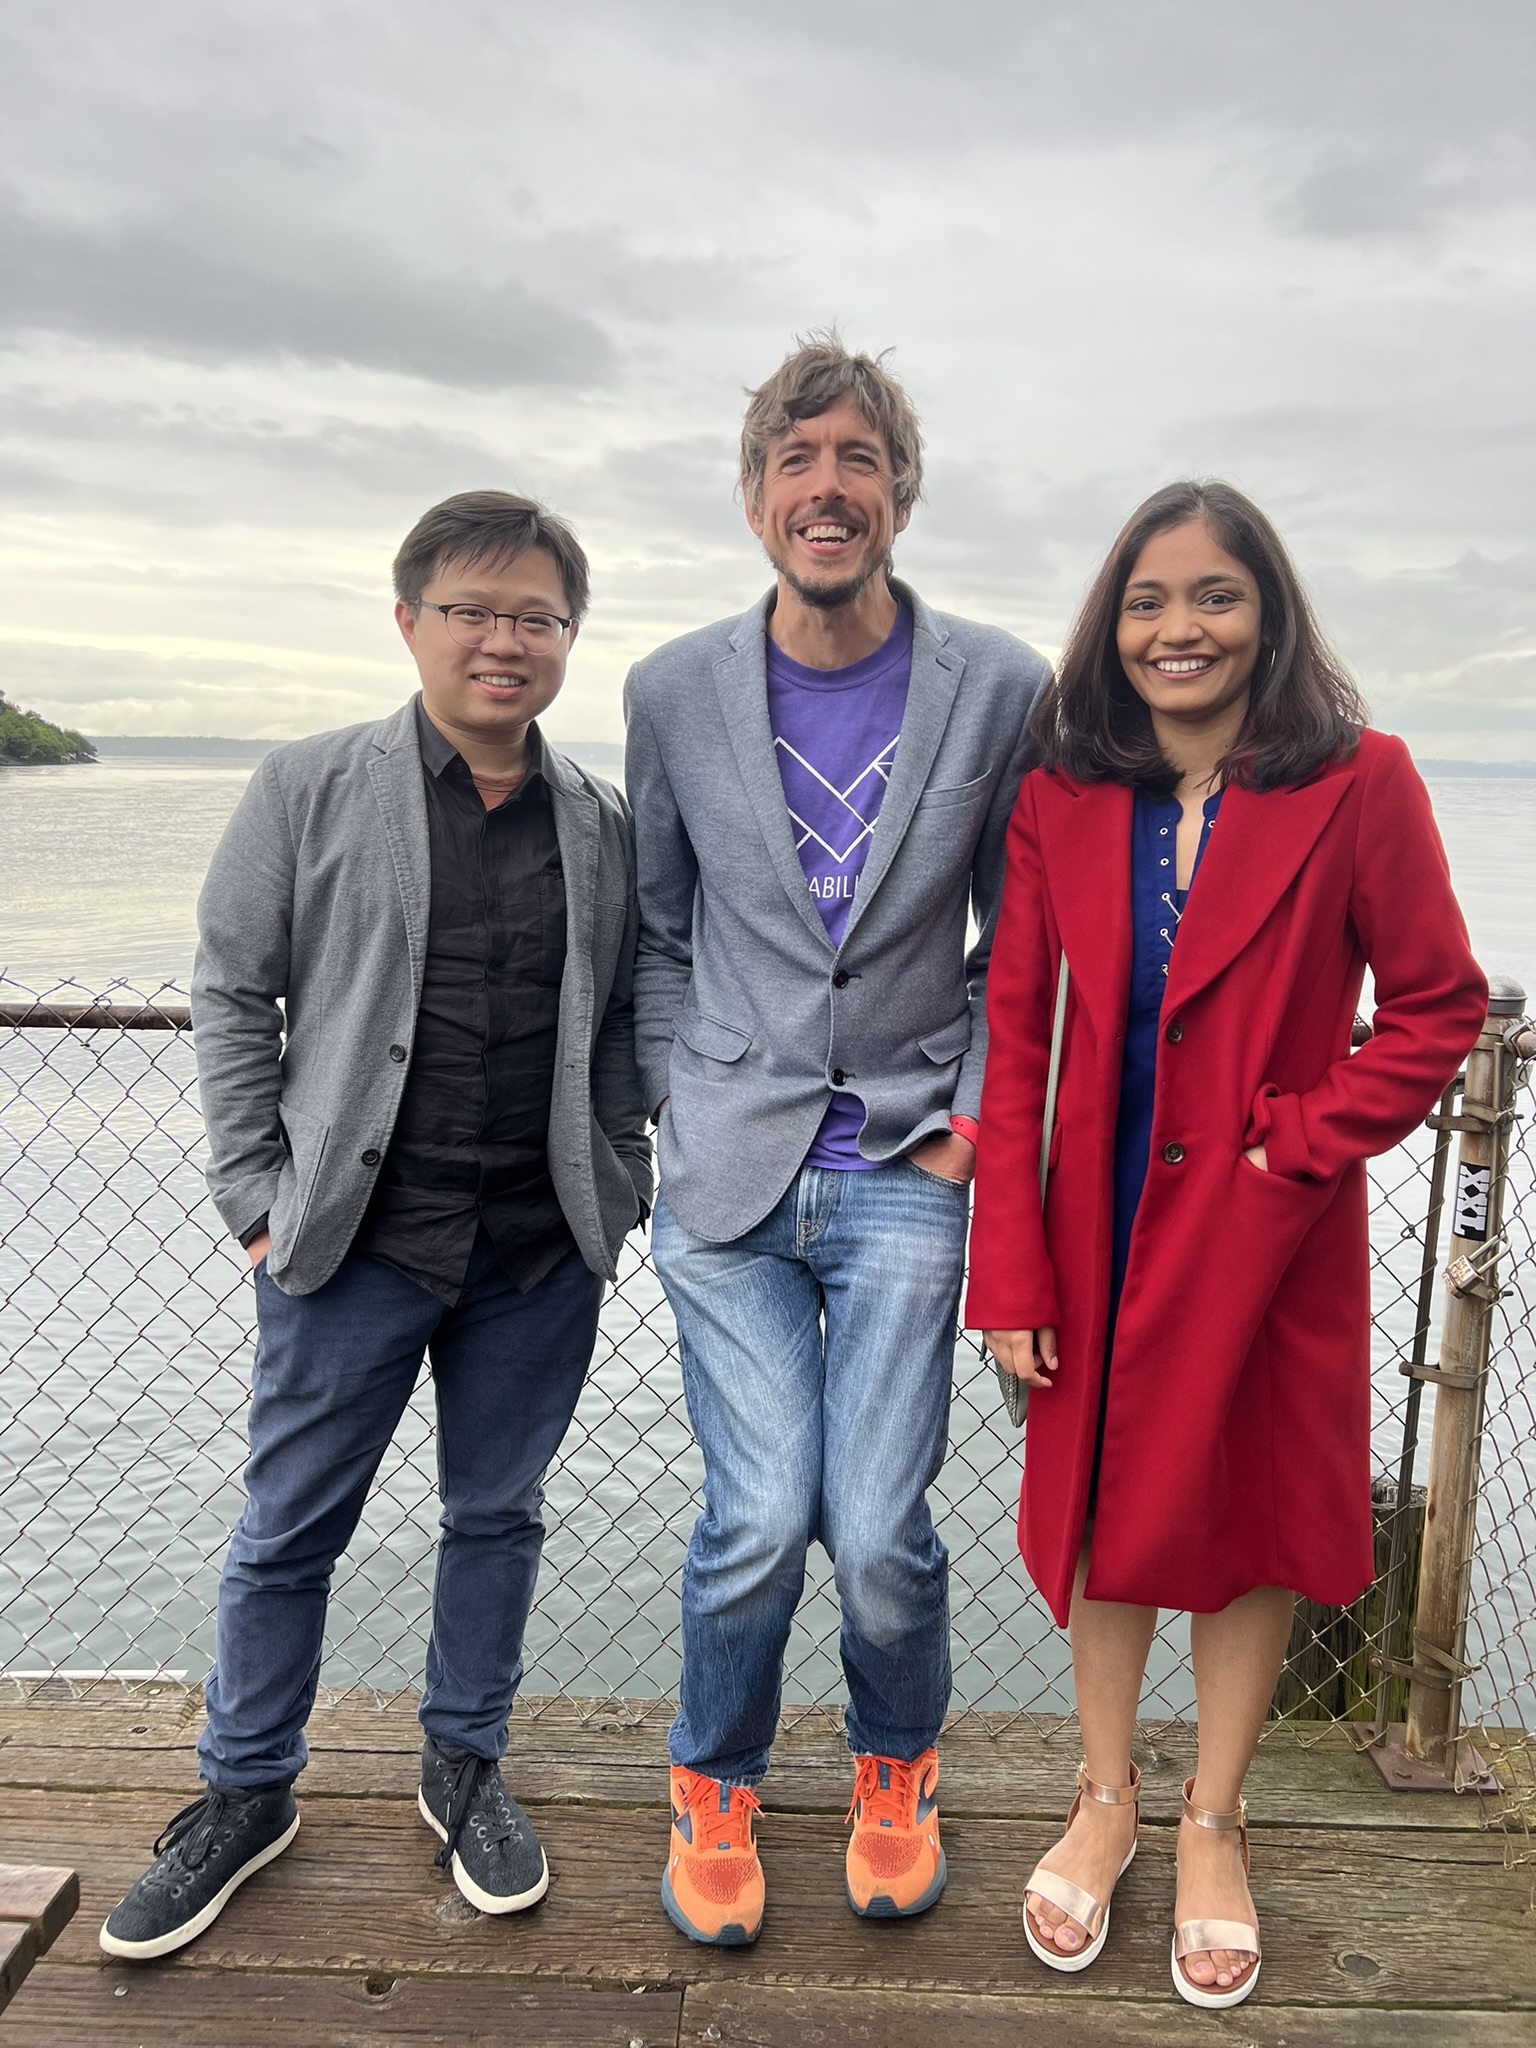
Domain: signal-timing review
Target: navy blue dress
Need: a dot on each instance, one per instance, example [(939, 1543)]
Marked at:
[(1156, 907)]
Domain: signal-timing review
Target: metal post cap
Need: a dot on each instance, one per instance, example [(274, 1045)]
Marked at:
[(1506, 998)]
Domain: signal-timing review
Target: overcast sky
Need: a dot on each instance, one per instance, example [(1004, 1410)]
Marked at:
[(274, 278)]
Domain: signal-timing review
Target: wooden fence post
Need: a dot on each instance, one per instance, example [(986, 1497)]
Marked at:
[(1430, 1738)]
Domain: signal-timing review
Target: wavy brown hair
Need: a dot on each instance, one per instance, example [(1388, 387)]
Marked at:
[(1304, 709), (816, 373)]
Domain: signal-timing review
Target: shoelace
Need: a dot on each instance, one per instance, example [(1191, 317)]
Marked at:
[(467, 1780), (713, 1829), (193, 1830), (895, 1800)]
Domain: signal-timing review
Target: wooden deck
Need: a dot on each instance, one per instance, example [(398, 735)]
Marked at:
[(1388, 1918)]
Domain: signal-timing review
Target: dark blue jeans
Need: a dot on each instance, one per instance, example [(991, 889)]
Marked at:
[(334, 1370)]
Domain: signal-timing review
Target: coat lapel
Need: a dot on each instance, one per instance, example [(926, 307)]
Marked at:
[(1085, 845), (936, 673), (577, 830), (395, 773), (1256, 850), (742, 681)]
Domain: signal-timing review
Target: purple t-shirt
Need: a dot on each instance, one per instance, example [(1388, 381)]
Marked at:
[(834, 733)]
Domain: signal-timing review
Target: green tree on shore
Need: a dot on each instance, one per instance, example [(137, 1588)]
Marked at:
[(26, 739)]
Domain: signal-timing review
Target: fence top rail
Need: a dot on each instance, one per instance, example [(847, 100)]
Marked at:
[(140, 1016)]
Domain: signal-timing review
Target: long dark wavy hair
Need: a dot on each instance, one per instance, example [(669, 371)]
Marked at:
[(1304, 709)]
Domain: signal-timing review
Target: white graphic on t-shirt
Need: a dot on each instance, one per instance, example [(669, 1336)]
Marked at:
[(880, 766)]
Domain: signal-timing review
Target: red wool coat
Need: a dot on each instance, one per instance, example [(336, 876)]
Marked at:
[(1237, 1429)]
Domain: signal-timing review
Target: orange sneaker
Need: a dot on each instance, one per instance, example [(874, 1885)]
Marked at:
[(713, 1884), (895, 1864)]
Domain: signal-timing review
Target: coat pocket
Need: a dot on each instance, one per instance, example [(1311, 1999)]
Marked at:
[(955, 793), (949, 1044), (709, 1036), (306, 1137)]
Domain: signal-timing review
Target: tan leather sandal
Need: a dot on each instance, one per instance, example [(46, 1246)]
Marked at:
[(1199, 1937), (1091, 1915)]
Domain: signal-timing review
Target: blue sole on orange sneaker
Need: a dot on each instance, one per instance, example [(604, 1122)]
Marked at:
[(732, 1935), (882, 1908)]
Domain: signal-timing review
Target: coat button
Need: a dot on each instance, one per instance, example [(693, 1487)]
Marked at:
[(1174, 1033), (1173, 1153), (841, 978), (371, 1158), (838, 1077), (397, 1052)]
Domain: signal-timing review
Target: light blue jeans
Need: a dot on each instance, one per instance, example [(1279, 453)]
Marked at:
[(817, 1354)]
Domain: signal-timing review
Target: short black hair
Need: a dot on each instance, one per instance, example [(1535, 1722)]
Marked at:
[(494, 527)]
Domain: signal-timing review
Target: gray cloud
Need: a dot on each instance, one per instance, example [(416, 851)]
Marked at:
[(174, 286), (164, 456), (277, 278), (100, 690)]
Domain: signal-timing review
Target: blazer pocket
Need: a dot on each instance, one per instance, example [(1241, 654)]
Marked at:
[(948, 1044), (955, 793), (707, 1035), (307, 1137)]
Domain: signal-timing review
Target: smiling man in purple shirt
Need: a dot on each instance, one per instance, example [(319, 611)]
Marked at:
[(821, 790)]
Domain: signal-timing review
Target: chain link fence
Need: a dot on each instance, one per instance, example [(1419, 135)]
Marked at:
[(126, 1329)]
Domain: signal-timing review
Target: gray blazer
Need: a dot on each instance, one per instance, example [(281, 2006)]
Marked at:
[(318, 898), (743, 1010)]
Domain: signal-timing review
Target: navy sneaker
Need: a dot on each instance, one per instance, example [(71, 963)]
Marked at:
[(488, 1840), (201, 1860)]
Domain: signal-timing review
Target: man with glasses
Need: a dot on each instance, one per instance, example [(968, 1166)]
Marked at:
[(436, 1147)]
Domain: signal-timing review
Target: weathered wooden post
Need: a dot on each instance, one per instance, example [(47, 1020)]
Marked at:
[(1430, 1739)]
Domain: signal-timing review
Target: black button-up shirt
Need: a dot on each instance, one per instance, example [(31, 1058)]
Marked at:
[(471, 1142)]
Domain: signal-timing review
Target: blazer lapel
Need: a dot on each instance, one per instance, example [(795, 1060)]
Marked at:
[(742, 681), (1256, 850), (936, 673), (576, 829), (1085, 846), (395, 773)]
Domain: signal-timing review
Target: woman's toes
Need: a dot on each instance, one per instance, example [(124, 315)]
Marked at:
[(1053, 1924)]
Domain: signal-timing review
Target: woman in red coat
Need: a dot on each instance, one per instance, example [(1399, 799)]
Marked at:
[(1219, 849)]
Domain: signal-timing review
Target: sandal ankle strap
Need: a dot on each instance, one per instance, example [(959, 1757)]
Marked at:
[(1203, 1817), (1108, 1795)]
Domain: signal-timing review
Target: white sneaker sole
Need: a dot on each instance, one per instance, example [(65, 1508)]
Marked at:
[(486, 1901), (163, 1944)]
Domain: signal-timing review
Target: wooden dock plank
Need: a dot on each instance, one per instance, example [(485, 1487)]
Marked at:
[(748, 2016), (122, 2007), (1303, 1775), (1344, 1914)]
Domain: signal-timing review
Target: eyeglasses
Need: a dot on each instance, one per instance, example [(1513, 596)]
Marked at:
[(473, 624)]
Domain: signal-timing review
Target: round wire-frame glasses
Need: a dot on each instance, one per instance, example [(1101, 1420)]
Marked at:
[(473, 624)]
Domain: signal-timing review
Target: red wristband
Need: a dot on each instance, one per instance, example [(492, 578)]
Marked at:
[(965, 1127)]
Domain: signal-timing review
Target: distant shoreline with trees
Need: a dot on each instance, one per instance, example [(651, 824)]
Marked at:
[(29, 741)]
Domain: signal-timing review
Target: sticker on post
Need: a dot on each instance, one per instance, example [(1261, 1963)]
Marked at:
[(1471, 1214)]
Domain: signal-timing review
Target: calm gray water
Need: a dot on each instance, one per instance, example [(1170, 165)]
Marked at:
[(102, 864), (125, 1328)]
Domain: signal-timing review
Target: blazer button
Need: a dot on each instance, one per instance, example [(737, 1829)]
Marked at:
[(1173, 1153), (371, 1158), (838, 1077), (1174, 1033), (841, 978), (397, 1052)]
